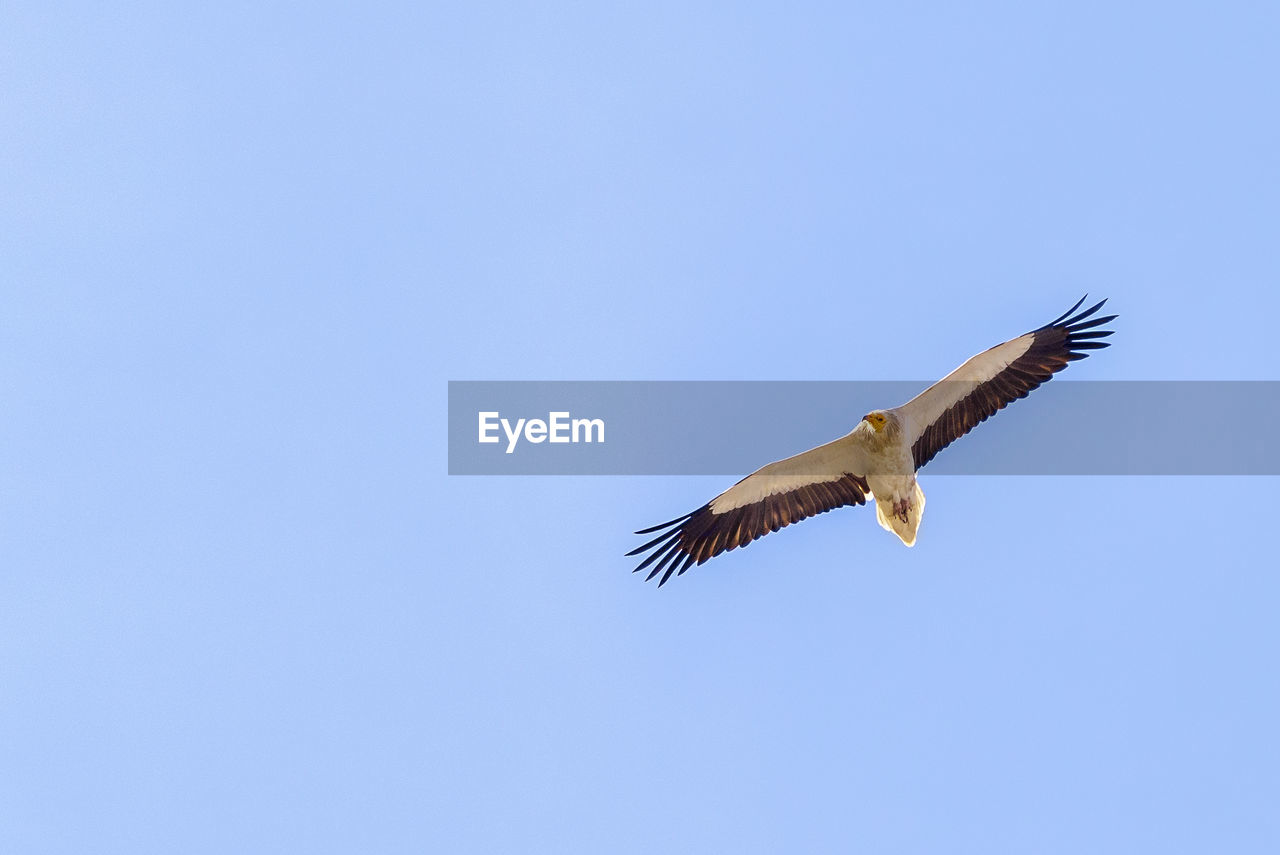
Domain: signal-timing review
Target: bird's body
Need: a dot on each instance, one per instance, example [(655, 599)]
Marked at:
[(879, 458), (891, 474)]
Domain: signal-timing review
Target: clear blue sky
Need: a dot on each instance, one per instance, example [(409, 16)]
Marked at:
[(245, 245)]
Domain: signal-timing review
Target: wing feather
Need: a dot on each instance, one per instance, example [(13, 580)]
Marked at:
[(990, 381), (771, 498)]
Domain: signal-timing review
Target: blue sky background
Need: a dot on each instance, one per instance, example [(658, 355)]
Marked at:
[(245, 245)]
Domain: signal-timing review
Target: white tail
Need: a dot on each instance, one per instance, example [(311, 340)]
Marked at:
[(906, 531)]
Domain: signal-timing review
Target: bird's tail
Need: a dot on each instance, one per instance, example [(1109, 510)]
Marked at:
[(906, 531)]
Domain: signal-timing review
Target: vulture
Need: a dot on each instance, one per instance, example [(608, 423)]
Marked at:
[(879, 458)]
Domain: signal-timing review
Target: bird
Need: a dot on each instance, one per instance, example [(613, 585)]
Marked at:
[(879, 458)]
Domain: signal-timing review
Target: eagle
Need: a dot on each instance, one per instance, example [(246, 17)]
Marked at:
[(880, 457)]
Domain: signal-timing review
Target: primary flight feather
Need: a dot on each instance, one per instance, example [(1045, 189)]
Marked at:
[(879, 458)]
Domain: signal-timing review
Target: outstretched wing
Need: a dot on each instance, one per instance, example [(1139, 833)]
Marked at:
[(988, 382), (781, 493)]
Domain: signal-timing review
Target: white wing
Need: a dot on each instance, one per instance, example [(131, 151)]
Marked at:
[(822, 478), (988, 382)]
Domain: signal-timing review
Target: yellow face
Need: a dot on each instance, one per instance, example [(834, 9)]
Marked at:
[(876, 420)]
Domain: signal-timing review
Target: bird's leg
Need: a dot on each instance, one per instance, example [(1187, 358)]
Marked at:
[(901, 508)]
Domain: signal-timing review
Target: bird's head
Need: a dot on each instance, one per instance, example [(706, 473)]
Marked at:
[(877, 419)]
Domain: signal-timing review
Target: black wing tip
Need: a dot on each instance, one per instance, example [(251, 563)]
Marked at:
[(651, 529), (659, 547), (1068, 312), (666, 547), (668, 553), (676, 567), (1083, 331), (1075, 322)]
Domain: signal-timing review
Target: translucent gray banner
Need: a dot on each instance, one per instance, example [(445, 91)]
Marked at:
[(733, 428)]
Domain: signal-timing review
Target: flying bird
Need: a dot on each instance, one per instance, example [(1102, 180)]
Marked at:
[(879, 458)]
